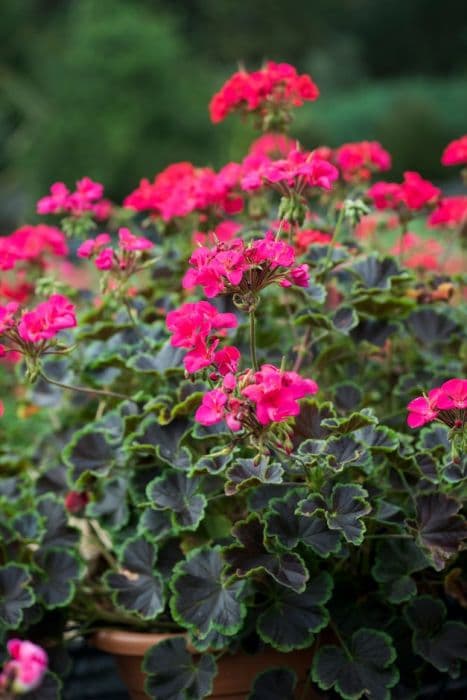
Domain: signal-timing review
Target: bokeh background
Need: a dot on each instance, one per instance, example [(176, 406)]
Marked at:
[(117, 89)]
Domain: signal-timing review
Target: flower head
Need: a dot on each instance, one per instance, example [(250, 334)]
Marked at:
[(455, 152), (25, 669)]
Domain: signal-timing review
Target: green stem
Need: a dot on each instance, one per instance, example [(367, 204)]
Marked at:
[(335, 235), (341, 640), (84, 389), (254, 360)]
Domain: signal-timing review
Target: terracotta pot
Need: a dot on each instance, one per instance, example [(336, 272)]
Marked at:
[(236, 672)]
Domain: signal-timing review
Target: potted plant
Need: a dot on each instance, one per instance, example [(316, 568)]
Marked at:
[(227, 490)]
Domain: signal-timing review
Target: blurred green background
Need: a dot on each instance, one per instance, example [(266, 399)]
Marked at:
[(117, 89)]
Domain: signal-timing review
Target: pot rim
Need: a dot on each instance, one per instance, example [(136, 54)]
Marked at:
[(131, 643)]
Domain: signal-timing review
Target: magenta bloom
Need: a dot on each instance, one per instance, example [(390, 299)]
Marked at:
[(453, 394), (7, 314), (91, 246), (130, 242), (455, 152), (47, 319), (212, 407), (26, 669), (276, 393), (423, 409)]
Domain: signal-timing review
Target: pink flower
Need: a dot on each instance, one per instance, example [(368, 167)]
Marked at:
[(86, 198), (55, 202), (272, 145), (450, 212), (455, 152), (212, 408), (47, 319), (300, 275), (414, 193), (276, 393), (307, 237), (226, 360), (130, 242), (7, 314), (452, 394), (105, 259), (423, 409), (2, 407), (300, 168), (26, 669), (89, 247), (360, 160)]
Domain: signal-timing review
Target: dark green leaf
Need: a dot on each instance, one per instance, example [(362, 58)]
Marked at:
[(173, 674), (344, 319), (90, 453), (251, 556), (290, 620), (396, 561), (376, 273), (246, 472), (138, 587), (348, 424), (367, 669), (203, 600), (164, 441), (179, 494), (59, 572), (439, 527), (57, 532), (343, 510), (111, 508), (15, 594), (431, 327)]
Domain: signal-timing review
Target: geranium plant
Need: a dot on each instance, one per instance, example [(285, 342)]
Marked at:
[(249, 416)]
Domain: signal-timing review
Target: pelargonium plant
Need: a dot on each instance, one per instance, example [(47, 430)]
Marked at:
[(238, 414)]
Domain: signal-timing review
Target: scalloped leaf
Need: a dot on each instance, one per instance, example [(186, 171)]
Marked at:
[(155, 524), (396, 560), (180, 494), (377, 273), (89, 454), (213, 463), (203, 599), (291, 620), (111, 508), (347, 424), (440, 529), (138, 588), (173, 674), (344, 319), (57, 532), (290, 529), (343, 510), (366, 670), (60, 570), (251, 556), (443, 644), (163, 441), (432, 327), (246, 472), (16, 594), (274, 684)]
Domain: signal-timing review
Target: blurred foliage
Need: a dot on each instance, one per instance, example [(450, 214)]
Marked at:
[(116, 89)]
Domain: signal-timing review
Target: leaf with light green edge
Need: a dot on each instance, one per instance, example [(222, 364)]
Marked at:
[(431, 328), (49, 689), (28, 525), (315, 293), (365, 669), (382, 305), (274, 684), (111, 508), (435, 439), (58, 573), (251, 556), (138, 588), (290, 620), (289, 529), (343, 510), (212, 641), (154, 524), (440, 529), (214, 463), (442, 643), (378, 437), (347, 424), (245, 473), (167, 358), (343, 451), (211, 432), (89, 454), (315, 319), (310, 421), (375, 273), (454, 472), (57, 531), (172, 673), (395, 561), (344, 319), (163, 440), (16, 594), (203, 598), (181, 495)]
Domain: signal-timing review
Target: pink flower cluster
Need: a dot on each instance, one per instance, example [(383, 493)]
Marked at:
[(182, 189), (87, 197), (300, 169), (31, 243), (25, 669), (455, 152), (418, 252), (42, 323), (235, 267), (357, 161), (414, 193), (306, 237), (106, 258), (268, 396), (447, 403), (276, 85), (450, 212), (198, 327), (272, 145)]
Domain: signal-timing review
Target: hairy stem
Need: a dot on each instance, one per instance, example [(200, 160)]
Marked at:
[(84, 389), (254, 360)]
